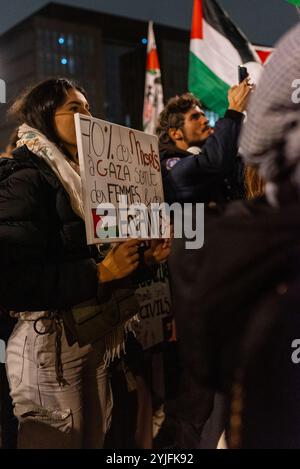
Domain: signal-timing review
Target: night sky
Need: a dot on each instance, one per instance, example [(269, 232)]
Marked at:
[(263, 21)]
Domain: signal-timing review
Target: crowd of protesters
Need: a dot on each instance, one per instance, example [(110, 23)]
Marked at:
[(235, 300)]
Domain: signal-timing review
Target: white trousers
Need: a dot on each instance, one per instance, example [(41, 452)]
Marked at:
[(76, 415)]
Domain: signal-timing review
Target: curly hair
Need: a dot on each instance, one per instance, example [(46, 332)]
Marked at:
[(173, 115)]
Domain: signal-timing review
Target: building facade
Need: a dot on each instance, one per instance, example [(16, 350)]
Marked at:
[(105, 54)]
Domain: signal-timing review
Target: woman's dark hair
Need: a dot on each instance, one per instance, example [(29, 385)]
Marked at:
[(12, 142), (37, 106)]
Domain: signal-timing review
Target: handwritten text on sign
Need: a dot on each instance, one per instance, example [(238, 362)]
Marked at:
[(156, 315), (115, 162)]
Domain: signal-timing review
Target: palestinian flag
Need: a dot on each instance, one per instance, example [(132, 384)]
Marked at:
[(264, 53), (294, 2), (153, 98), (217, 48)]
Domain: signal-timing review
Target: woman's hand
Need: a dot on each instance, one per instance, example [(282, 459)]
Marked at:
[(158, 252), (121, 260)]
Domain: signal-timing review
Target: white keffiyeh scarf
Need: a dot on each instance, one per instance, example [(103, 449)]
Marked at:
[(51, 154)]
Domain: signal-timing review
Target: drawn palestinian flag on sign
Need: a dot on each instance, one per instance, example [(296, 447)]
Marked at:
[(217, 48)]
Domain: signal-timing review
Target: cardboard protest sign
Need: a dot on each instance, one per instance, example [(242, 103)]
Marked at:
[(117, 165), (156, 324), (116, 161)]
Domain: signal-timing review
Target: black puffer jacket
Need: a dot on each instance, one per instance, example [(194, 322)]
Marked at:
[(45, 261)]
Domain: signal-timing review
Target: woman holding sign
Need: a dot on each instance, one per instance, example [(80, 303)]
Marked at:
[(66, 297)]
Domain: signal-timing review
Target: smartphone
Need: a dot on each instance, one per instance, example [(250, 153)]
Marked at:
[(243, 73)]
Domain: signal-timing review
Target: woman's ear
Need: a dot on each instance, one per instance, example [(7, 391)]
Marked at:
[(175, 134)]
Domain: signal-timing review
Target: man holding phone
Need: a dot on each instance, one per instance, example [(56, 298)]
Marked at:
[(200, 164)]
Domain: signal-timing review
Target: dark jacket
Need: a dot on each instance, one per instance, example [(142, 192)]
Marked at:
[(45, 261), (248, 251), (216, 174), (238, 305)]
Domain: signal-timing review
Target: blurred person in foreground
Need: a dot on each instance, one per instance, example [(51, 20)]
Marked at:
[(199, 164), (243, 303)]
